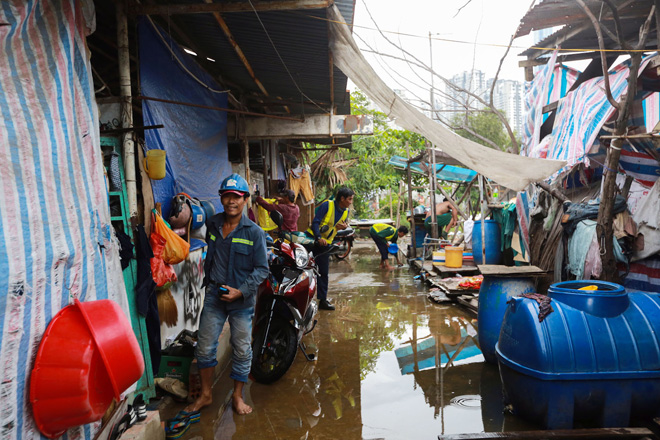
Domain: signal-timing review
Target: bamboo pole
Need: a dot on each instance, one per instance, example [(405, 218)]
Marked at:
[(483, 219), (410, 203), (128, 146), (434, 219), (398, 207), (391, 210)]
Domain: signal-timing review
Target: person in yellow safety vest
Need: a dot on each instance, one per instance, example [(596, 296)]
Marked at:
[(330, 217), (381, 233)]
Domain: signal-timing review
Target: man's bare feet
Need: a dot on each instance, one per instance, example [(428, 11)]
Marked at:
[(239, 405), (200, 403)]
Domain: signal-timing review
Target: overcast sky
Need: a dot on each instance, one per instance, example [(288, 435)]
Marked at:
[(488, 23)]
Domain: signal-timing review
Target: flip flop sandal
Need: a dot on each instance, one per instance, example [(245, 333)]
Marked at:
[(176, 430), (192, 416)]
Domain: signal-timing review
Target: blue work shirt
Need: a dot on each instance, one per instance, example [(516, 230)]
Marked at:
[(320, 215), (238, 260)]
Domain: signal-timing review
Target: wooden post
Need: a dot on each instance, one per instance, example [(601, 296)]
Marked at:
[(398, 207), (391, 210), (482, 204), (128, 146), (410, 204), (265, 154), (246, 163), (434, 219)]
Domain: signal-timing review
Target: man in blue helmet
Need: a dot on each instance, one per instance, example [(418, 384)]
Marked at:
[(235, 265), (330, 217)]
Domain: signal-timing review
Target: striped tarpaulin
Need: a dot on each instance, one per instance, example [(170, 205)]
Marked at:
[(651, 111), (644, 275), (582, 113), (642, 167), (56, 242), (540, 92)]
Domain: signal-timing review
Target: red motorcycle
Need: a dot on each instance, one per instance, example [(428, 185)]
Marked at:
[(285, 308)]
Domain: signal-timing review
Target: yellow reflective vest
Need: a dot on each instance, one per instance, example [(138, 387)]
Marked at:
[(378, 227), (329, 220)]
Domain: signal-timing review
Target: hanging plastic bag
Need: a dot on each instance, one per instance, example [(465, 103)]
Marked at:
[(266, 223), (161, 272), (176, 248)]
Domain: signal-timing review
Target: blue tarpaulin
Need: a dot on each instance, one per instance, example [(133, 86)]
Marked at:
[(195, 139), (449, 173)]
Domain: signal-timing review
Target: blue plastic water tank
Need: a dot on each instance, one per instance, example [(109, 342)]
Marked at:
[(493, 296), (595, 358), (493, 242)]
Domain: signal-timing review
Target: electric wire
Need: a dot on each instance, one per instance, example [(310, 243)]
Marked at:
[(450, 40), (282, 60)]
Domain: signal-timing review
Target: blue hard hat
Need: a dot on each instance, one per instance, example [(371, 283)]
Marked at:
[(393, 248), (234, 184)]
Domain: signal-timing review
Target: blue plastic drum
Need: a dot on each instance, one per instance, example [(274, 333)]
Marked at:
[(493, 242), (493, 296)]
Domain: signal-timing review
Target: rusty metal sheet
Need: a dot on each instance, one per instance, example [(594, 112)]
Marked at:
[(577, 32)]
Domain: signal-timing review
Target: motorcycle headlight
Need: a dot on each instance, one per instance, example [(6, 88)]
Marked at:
[(302, 257)]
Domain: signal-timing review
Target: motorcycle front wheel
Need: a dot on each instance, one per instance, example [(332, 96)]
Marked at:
[(272, 360), (343, 253)]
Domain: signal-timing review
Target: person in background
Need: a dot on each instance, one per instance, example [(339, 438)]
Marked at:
[(381, 233), (330, 217), (234, 267), (446, 215), (285, 206)]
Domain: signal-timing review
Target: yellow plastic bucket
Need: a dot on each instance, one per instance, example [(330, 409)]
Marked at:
[(453, 256), (154, 164)]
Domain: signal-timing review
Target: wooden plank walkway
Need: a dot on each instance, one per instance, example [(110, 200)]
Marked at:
[(499, 270), (466, 297)]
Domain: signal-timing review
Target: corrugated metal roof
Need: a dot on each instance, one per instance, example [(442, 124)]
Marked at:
[(577, 31), (301, 39)]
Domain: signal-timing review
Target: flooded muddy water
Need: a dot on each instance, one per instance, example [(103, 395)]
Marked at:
[(390, 364)]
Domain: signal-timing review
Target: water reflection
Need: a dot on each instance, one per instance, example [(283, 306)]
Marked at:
[(391, 365)]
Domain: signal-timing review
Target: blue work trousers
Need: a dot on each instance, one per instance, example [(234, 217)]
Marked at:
[(214, 315)]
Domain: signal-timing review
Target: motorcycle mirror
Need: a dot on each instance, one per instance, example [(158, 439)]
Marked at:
[(324, 228), (277, 218)]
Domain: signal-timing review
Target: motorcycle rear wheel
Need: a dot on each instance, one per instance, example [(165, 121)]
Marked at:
[(279, 353), (340, 256)]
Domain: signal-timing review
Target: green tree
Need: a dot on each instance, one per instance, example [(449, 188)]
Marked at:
[(483, 128), (367, 172)]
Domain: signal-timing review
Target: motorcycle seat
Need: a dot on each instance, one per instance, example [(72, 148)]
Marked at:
[(345, 232)]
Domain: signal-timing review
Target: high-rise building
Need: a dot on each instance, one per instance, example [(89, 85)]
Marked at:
[(508, 96), (457, 101)]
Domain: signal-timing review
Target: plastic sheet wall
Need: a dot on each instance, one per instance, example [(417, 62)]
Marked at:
[(56, 240), (195, 139)]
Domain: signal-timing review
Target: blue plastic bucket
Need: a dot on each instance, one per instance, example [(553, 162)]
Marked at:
[(493, 296), (493, 242), (393, 249)]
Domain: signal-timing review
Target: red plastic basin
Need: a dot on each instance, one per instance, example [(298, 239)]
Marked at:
[(87, 356), (116, 341)]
